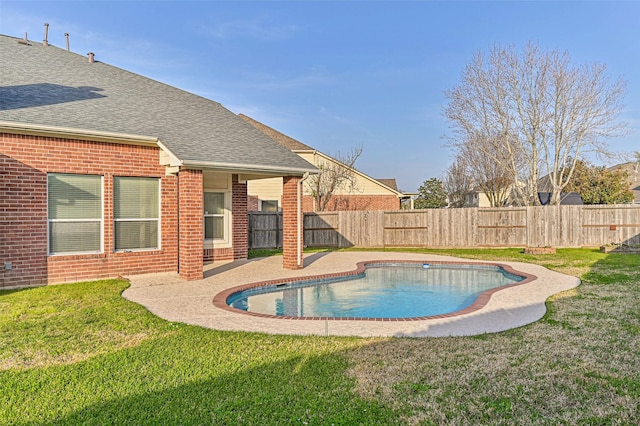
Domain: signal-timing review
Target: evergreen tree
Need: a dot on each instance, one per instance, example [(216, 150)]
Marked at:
[(431, 195), (597, 185)]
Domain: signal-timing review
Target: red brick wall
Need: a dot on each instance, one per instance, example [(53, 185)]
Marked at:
[(307, 204), (191, 229), (291, 223), (216, 254), (253, 203), (24, 164), (355, 202), (240, 219)]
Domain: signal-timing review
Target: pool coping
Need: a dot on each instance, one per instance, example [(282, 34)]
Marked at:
[(170, 297), (220, 299)]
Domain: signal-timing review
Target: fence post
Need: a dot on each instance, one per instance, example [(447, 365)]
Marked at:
[(250, 226), (279, 229)]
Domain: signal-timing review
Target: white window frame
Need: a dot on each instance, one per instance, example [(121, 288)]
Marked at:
[(101, 220), (224, 242), (159, 219)]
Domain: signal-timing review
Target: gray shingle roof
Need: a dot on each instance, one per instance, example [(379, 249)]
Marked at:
[(391, 183), (49, 86), (284, 140)]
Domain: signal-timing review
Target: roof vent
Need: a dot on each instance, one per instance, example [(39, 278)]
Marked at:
[(25, 40), (66, 36), (92, 57), (45, 42)]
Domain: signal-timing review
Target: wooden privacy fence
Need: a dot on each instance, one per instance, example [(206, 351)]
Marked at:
[(265, 230), (547, 226)]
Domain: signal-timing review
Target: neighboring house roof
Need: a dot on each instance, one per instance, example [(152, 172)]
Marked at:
[(391, 183), (284, 140), (566, 198), (48, 88), (299, 147)]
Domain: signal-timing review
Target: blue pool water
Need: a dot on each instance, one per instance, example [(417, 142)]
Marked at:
[(382, 291)]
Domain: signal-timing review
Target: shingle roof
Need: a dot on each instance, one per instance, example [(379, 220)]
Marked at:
[(284, 140), (48, 86), (297, 146), (391, 183)]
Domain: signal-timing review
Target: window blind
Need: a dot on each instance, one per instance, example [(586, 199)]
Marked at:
[(136, 211), (74, 204)]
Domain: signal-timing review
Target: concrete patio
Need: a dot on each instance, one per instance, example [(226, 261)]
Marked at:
[(174, 299)]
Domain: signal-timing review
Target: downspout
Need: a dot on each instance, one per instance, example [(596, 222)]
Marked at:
[(298, 224)]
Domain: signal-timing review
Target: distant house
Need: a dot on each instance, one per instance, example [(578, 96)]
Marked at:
[(478, 198), (104, 172), (633, 180), (566, 198), (367, 194)]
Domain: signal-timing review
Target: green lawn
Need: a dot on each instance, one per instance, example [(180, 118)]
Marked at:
[(81, 354)]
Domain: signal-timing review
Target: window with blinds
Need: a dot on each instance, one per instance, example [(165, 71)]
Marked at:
[(74, 213), (136, 212), (214, 216)]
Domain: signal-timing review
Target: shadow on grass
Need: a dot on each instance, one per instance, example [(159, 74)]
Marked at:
[(4, 292), (193, 382)]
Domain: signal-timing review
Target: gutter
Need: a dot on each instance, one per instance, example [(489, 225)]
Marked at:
[(250, 168), (72, 133)]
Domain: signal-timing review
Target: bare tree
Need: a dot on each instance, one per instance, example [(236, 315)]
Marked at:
[(490, 166), (457, 182), (544, 112), (334, 176)]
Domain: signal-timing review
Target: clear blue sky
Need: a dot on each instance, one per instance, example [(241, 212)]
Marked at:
[(336, 74)]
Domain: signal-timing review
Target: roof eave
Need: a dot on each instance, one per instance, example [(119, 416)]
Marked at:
[(250, 168), (73, 133)]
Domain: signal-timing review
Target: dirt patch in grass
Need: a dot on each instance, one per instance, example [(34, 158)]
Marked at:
[(44, 356)]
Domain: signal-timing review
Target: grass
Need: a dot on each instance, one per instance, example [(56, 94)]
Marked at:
[(81, 354)]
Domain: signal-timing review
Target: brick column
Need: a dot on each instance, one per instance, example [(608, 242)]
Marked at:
[(292, 234), (191, 232), (240, 222)]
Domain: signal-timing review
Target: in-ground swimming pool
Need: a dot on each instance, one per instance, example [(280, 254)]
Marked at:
[(383, 290)]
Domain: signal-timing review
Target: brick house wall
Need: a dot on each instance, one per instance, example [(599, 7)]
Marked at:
[(191, 230), (24, 164), (253, 203), (355, 202), (240, 220), (25, 161), (291, 223)]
